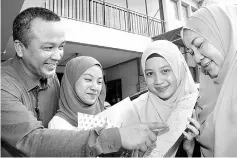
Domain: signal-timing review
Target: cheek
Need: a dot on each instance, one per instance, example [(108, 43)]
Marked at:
[(172, 81), (80, 87), (149, 82), (218, 57), (100, 88)]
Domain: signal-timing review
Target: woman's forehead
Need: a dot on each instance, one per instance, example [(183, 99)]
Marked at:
[(189, 36), (156, 62), (94, 70)]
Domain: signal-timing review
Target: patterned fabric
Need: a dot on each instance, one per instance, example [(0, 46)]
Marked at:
[(87, 122)]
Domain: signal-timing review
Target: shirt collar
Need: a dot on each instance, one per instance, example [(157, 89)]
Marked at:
[(30, 80)]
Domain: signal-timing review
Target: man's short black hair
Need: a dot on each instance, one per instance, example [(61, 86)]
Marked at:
[(22, 23)]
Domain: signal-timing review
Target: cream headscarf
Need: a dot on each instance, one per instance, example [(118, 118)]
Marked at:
[(218, 99), (150, 107)]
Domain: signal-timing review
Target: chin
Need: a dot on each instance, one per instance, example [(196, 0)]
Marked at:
[(48, 75), (91, 102), (164, 97), (212, 76)]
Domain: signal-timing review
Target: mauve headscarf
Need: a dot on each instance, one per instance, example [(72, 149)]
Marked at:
[(217, 105), (69, 102)]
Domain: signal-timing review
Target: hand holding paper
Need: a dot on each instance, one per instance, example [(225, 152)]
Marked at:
[(140, 136), (177, 124)]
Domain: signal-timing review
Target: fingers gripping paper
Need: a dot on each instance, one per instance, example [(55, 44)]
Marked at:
[(177, 124)]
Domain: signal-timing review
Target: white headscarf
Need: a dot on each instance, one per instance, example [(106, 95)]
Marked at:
[(218, 99), (150, 107)]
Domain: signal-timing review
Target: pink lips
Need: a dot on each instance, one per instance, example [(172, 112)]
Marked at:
[(160, 89), (91, 94), (51, 66)]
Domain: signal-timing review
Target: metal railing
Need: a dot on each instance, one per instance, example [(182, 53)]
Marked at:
[(108, 15)]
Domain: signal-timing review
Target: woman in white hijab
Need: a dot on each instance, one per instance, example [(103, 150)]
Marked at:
[(211, 34), (168, 80)]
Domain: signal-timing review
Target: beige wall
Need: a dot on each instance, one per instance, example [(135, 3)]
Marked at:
[(128, 73)]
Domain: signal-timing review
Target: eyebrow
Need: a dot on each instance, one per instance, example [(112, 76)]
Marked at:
[(91, 75), (193, 40), (160, 67), (64, 42)]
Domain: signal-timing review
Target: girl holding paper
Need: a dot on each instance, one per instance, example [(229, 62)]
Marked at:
[(168, 80)]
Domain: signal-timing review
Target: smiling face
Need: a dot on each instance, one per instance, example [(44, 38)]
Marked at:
[(45, 48), (160, 78), (89, 85), (204, 53)]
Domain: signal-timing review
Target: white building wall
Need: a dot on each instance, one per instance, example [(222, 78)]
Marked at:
[(172, 23), (128, 73), (83, 32)]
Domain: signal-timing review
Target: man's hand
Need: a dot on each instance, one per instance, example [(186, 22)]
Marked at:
[(140, 136)]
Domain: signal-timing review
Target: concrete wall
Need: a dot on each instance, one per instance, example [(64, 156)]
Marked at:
[(128, 73)]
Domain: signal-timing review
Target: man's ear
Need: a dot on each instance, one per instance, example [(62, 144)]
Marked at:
[(19, 47)]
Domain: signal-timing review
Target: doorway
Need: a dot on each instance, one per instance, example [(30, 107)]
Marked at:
[(114, 91)]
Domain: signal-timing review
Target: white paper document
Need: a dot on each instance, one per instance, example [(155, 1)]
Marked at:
[(120, 114), (177, 124)]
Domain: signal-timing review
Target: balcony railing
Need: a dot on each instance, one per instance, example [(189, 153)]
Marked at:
[(108, 15)]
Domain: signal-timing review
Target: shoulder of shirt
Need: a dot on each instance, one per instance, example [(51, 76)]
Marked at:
[(58, 122), (141, 100), (10, 81)]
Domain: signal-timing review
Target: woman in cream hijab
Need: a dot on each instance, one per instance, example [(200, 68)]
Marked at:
[(82, 90), (168, 80), (211, 34)]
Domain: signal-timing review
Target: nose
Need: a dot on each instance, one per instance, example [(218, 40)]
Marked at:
[(95, 86), (159, 79), (197, 57), (57, 54)]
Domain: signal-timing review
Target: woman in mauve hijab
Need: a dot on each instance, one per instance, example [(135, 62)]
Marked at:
[(211, 34), (82, 90), (168, 79)]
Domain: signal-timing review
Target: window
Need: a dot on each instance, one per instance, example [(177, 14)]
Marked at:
[(174, 9), (153, 8), (185, 12)]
